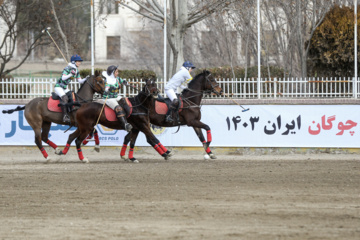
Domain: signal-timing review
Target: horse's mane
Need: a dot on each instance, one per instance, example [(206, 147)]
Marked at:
[(195, 79)]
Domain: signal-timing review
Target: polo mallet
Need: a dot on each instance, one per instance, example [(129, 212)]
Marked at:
[(100, 114), (47, 31), (244, 109)]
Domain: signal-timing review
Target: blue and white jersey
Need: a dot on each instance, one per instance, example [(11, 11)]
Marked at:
[(180, 79)]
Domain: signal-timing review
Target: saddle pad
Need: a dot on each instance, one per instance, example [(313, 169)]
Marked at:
[(161, 107), (53, 105), (110, 114), (130, 106)]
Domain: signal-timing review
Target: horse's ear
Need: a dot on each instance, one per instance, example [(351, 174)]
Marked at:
[(97, 73)]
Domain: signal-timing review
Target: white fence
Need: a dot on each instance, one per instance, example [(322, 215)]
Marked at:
[(28, 88)]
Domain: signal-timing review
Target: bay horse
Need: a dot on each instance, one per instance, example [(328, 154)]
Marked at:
[(188, 113), (40, 117), (138, 116)]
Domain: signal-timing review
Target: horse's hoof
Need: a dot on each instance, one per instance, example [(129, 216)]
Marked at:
[(97, 148), (124, 158), (134, 160), (47, 160), (170, 153), (212, 156), (85, 160), (57, 151)]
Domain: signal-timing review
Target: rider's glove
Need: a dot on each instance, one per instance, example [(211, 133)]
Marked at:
[(125, 83)]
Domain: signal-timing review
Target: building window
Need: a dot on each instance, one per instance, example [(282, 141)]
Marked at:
[(113, 47), (109, 7)]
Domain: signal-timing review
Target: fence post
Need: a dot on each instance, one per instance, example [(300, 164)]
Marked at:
[(355, 87)]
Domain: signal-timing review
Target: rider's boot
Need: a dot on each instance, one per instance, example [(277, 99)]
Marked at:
[(120, 115), (171, 110), (66, 117)]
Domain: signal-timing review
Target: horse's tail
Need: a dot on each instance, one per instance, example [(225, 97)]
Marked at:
[(19, 108)]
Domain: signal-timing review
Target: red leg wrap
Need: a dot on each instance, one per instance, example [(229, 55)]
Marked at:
[(44, 153), (208, 150), (208, 135), (81, 156), (86, 140), (131, 153), (66, 149), (162, 147), (123, 150), (51, 144), (158, 149), (96, 137)]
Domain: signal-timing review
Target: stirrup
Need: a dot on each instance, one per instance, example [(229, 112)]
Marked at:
[(128, 127), (66, 118), (169, 118)]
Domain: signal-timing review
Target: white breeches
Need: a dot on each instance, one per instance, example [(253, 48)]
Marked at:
[(60, 91), (110, 102), (171, 94)]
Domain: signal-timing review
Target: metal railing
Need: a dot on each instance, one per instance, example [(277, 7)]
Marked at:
[(28, 88)]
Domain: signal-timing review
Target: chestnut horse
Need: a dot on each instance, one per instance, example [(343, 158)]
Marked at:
[(40, 117), (189, 114), (88, 114)]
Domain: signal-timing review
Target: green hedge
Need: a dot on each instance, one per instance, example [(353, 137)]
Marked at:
[(125, 74), (252, 72)]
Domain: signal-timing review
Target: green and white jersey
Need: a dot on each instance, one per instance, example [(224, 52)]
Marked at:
[(112, 86), (67, 76)]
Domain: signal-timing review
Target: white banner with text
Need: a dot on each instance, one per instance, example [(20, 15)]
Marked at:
[(261, 126)]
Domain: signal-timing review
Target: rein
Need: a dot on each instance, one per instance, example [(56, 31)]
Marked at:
[(198, 93), (92, 87)]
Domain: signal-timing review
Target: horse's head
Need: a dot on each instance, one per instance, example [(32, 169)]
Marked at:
[(210, 83), (96, 82), (150, 88)]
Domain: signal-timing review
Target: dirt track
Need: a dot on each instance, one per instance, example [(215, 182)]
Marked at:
[(232, 197)]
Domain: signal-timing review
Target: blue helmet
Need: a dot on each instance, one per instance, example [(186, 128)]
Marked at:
[(75, 58), (188, 65)]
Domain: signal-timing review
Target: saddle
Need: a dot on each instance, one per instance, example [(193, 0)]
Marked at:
[(55, 102), (110, 113), (162, 104)]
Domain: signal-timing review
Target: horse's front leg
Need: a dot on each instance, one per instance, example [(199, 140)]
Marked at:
[(127, 139), (131, 136), (69, 141), (206, 143), (81, 136), (94, 134), (45, 136)]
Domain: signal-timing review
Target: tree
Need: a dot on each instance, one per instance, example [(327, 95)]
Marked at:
[(332, 45), (179, 19), (19, 22)]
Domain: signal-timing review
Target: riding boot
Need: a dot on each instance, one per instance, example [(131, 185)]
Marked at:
[(64, 109), (171, 110), (120, 115)]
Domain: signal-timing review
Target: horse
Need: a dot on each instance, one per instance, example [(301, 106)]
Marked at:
[(136, 108), (39, 116), (188, 112)]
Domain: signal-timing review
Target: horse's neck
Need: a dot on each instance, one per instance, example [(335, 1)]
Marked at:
[(193, 95), (86, 92), (143, 99)]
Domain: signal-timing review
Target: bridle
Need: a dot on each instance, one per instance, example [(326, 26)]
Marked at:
[(92, 87), (213, 86), (147, 94)]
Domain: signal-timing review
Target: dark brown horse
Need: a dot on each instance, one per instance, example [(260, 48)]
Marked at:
[(189, 114), (88, 114), (40, 117)]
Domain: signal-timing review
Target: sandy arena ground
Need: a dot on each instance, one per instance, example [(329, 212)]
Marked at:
[(296, 196)]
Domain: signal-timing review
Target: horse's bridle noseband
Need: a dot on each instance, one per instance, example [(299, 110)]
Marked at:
[(213, 86)]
